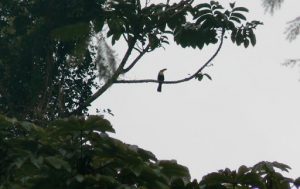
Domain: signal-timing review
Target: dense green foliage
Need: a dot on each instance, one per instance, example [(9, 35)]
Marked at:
[(78, 153), (49, 58), (43, 76), (48, 64)]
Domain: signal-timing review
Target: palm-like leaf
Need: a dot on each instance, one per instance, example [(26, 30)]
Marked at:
[(271, 5), (293, 30)]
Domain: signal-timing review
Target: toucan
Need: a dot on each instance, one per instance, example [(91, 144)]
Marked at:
[(160, 79)]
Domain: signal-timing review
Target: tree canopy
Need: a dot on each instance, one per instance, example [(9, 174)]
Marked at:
[(79, 153), (52, 52)]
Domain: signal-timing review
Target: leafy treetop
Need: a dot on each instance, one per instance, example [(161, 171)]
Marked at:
[(79, 153), (49, 57)]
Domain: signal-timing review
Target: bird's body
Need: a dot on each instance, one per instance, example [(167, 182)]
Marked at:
[(160, 79)]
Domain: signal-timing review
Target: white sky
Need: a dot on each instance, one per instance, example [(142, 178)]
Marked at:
[(248, 113)]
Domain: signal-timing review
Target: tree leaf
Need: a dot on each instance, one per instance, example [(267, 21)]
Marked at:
[(204, 12), (216, 7), (98, 123), (146, 155), (252, 37), (239, 37), (230, 25), (232, 5), (216, 179), (242, 170), (238, 15), (58, 163), (203, 5), (235, 19), (281, 166), (246, 42), (153, 41), (251, 179), (203, 18), (233, 35), (199, 76), (208, 76), (172, 169), (243, 9)]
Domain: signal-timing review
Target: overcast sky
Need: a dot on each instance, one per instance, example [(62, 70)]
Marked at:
[(248, 113)]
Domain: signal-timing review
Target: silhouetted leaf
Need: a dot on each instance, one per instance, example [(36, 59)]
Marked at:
[(199, 76), (235, 19), (203, 5), (58, 163), (208, 76), (66, 125), (217, 7), (232, 5), (97, 123), (252, 37), (233, 35), (263, 167), (251, 179), (281, 166), (239, 37), (203, 18), (239, 16), (172, 169), (242, 170), (246, 42), (146, 155), (243, 9), (215, 179), (177, 184), (204, 12)]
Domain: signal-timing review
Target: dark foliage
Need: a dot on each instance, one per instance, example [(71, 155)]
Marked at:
[(48, 63), (78, 153), (46, 70)]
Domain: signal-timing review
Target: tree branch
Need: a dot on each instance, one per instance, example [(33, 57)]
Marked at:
[(136, 60), (184, 79), (111, 81)]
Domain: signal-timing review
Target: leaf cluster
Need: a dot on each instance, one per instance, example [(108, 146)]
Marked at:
[(263, 175), (49, 58), (152, 24), (212, 16), (79, 153), (45, 64)]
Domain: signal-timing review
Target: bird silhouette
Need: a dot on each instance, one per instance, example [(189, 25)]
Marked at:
[(160, 79)]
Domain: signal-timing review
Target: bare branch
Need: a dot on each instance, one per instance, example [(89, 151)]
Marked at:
[(180, 80), (109, 82), (136, 60)]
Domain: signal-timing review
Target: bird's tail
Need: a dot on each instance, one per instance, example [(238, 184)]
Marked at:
[(159, 87)]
